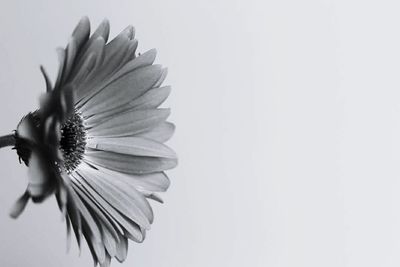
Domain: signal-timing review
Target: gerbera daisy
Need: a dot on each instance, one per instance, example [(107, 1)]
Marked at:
[(96, 142)]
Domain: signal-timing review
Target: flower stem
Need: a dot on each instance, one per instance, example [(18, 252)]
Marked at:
[(7, 140)]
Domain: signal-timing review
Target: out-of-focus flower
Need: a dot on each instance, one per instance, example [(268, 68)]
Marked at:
[(96, 142)]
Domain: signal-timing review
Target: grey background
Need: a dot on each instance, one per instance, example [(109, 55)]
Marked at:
[(288, 130)]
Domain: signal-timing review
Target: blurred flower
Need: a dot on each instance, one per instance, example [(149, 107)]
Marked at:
[(96, 142)]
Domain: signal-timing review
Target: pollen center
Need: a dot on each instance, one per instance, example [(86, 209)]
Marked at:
[(73, 141)]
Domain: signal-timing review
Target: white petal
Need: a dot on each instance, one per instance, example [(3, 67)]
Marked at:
[(130, 123), (109, 234), (115, 53), (102, 30), (160, 133), (130, 164), (136, 146), (145, 59), (82, 31), (132, 50), (62, 57), (128, 204), (93, 235), (90, 203), (123, 221), (71, 51), (162, 78), (82, 68), (153, 182), (125, 188), (122, 250), (152, 196), (123, 90), (149, 100)]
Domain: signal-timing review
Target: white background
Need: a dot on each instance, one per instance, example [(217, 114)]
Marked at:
[(288, 130)]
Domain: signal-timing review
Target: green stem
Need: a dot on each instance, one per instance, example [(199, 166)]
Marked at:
[(7, 140)]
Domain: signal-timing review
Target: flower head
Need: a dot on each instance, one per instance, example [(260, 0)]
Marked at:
[(96, 142)]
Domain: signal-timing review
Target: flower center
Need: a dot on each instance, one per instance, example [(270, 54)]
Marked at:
[(73, 141)]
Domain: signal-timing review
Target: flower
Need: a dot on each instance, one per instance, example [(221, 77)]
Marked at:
[(96, 142)]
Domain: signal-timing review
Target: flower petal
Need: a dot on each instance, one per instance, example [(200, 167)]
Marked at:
[(122, 220), (103, 30), (160, 133), (149, 100), (130, 123), (91, 230), (153, 182), (130, 164), (133, 44), (71, 52), (122, 250), (94, 55), (122, 90), (82, 31), (135, 146), (162, 78), (145, 59), (90, 204), (109, 234), (19, 205), (128, 202), (62, 57)]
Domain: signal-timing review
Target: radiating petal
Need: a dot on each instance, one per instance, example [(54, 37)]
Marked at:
[(71, 52), (94, 56), (95, 209), (132, 50), (130, 164), (128, 203), (122, 250), (82, 31), (162, 78), (62, 57), (153, 182), (123, 90), (149, 100), (145, 59), (136, 146), (103, 30), (160, 133), (130, 123), (91, 231), (115, 53), (122, 220), (109, 234), (153, 196)]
